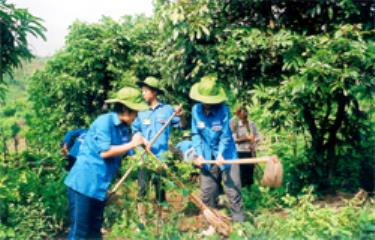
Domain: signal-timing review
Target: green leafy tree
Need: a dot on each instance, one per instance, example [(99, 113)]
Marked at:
[(98, 58), (12, 125), (15, 25), (322, 50), (305, 66), (323, 96)]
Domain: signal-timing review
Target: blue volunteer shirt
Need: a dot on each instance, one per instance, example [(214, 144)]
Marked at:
[(211, 133), (75, 133), (149, 122), (91, 175), (74, 150)]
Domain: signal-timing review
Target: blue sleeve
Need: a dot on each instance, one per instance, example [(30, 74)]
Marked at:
[(68, 137), (71, 134), (176, 120), (196, 138), (102, 135), (179, 146), (190, 145), (136, 125), (226, 133)]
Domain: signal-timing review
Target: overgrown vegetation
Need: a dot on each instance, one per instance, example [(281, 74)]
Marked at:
[(305, 69)]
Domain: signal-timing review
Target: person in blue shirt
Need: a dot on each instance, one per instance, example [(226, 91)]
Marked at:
[(185, 148), (212, 140), (106, 142), (70, 146), (147, 124)]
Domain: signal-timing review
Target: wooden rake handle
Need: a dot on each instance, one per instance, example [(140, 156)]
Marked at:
[(153, 140), (241, 161), (194, 199), (225, 227)]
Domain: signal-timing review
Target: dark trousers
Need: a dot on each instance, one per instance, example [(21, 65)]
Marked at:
[(86, 216), (144, 176), (246, 170), (70, 162), (210, 182)]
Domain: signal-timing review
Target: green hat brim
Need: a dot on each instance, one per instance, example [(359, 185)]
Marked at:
[(141, 84), (195, 95), (133, 106)]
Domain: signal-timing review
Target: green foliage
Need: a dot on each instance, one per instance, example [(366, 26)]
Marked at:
[(98, 59), (15, 25), (311, 221), (326, 81), (302, 217), (305, 68), (32, 197), (258, 199), (12, 125), (17, 83), (126, 226), (314, 84), (305, 219)]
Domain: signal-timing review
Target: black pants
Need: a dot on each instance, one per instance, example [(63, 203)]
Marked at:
[(246, 170), (144, 176), (70, 162)]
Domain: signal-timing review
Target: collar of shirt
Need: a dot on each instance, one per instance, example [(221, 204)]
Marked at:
[(116, 120), (211, 110), (158, 105)]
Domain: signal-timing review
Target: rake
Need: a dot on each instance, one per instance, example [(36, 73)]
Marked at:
[(273, 173), (218, 220), (130, 169)]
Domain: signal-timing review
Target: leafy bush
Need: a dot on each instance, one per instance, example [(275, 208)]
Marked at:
[(307, 220), (33, 198), (305, 68)]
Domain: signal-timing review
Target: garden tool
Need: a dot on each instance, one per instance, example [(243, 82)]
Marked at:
[(218, 220), (141, 210), (273, 173), (153, 140)]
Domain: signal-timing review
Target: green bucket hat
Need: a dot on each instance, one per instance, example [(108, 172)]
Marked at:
[(208, 91), (151, 82), (130, 97)]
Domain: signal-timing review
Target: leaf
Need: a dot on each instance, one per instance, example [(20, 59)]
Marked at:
[(205, 30), (185, 192)]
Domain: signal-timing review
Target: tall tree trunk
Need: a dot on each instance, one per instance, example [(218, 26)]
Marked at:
[(15, 142), (5, 148), (330, 146), (316, 143)]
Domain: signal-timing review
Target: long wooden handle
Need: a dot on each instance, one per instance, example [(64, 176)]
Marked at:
[(161, 130), (239, 161), (193, 198), (123, 178), (220, 221), (153, 140)]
